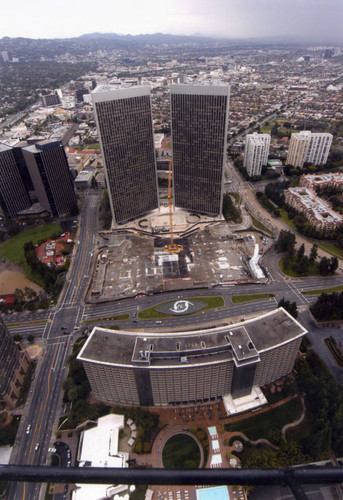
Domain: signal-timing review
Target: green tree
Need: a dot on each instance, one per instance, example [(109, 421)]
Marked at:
[(290, 307), (18, 295), (30, 293), (301, 251), (286, 242), (333, 265), (324, 266), (303, 265), (138, 447), (313, 253)]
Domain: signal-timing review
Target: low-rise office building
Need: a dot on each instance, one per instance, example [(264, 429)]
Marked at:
[(183, 368)]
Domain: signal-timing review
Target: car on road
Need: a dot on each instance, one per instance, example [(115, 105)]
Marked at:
[(63, 327), (158, 322), (37, 447), (28, 429), (134, 315)]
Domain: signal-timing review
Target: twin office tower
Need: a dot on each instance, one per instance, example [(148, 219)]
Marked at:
[(199, 114)]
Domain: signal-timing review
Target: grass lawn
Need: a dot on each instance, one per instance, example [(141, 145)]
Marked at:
[(119, 317), (236, 196), (181, 452), (335, 250), (238, 299), (258, 225), (168, 144), (285, 218), (338, 288), (152, 313), (291, 271), (263, 425), (92, 146), (265, 129), (13, 249)]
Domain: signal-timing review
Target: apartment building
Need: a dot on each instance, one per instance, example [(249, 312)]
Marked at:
[(306, 146), (320, 182), (317, 211), (256, 152)]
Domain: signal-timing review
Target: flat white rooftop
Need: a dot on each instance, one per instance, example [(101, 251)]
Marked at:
[(246, 403)]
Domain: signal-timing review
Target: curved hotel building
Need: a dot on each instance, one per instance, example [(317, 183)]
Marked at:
[(161, 369)]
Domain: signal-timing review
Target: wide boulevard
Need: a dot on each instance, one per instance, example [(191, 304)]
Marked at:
[(31, 448)]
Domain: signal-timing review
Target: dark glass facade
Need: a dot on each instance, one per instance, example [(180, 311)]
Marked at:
[(13, 194), (125, 128), (199, 123), (49, 170), (13, 365)]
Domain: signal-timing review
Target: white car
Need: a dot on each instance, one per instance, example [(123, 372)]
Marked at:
[(37, 447), (28, 429)]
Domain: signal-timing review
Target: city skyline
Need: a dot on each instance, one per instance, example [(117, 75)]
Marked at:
[(306, 20)]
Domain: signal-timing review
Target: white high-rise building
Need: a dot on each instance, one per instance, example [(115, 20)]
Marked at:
[(308, 147), (5, 56), (256, 152)]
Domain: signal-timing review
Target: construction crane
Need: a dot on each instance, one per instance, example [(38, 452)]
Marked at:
[(172, 247)]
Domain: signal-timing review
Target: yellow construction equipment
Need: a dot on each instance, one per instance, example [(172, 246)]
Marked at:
[(172, 247)]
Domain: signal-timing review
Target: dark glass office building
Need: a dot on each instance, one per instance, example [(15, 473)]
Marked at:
[(49, 171), (13, 366), (199, 114), (124, 124), (13, 193)]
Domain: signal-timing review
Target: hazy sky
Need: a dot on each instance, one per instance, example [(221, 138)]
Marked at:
[(231, 18)]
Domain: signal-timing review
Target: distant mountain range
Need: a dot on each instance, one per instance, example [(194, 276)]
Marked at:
[(33, 49)]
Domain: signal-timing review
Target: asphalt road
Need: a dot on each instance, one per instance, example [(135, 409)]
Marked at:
[(41, 408)]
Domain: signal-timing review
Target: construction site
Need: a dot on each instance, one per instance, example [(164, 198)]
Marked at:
[(171, 249)]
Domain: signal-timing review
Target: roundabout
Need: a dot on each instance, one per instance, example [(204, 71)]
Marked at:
[(181, 307)]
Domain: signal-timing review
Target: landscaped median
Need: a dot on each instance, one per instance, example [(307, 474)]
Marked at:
[(257, 224), (118, 317), (209, 303), (337, 288), (239, 299)]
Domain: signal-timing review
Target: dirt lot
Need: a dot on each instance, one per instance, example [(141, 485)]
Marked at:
[(130, 264)]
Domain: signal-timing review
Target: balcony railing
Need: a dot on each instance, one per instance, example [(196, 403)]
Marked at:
[(293, 477)]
